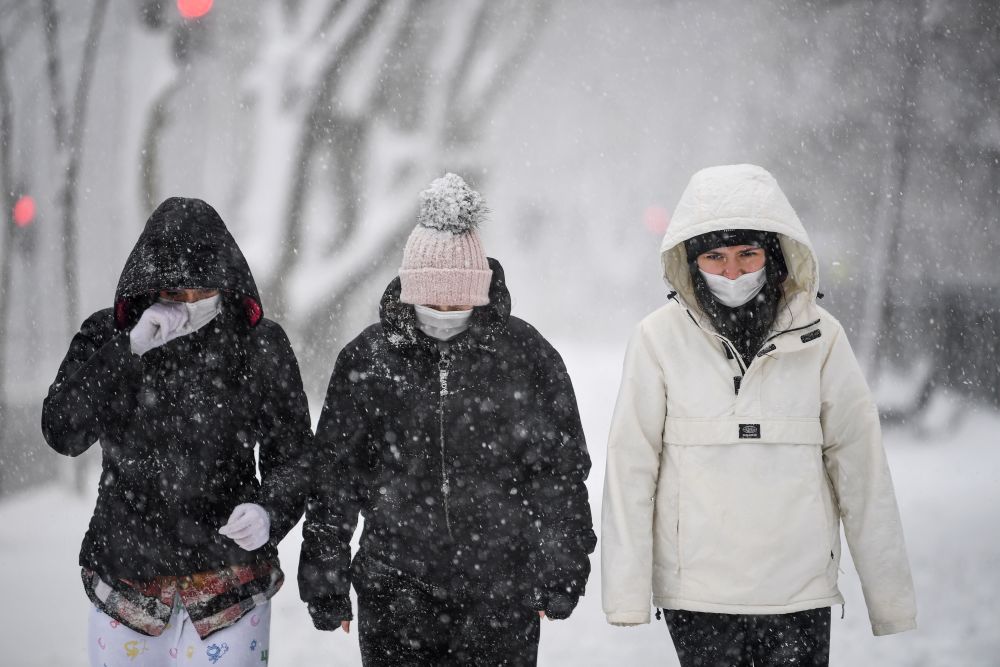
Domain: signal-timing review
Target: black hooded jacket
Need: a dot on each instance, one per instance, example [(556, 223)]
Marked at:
[(177, 426), (467, 462)]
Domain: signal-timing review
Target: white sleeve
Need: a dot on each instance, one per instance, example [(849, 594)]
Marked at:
[(633, 465), (856, 463)]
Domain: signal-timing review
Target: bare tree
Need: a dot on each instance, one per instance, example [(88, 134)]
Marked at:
[(374, 99), (68, 124), (69, 121), (13, 19), (180, 41), (909, 41), (7, 201)]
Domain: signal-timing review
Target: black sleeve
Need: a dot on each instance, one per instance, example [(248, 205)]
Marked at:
[(561, 565), (343, 467), (91, 388), (286, 435)]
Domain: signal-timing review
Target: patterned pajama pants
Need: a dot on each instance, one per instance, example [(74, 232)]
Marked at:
[(243, 644)]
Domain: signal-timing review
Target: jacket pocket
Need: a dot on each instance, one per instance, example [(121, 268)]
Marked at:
[(667, 564), (753, 524)]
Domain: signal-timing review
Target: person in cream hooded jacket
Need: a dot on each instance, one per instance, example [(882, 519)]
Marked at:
[(727, 482)]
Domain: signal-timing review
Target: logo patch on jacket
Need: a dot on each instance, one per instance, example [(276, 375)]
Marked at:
[(812, 335), (749, 431)]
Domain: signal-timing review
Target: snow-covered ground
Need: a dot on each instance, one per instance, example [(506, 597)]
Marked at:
[(948, 487)]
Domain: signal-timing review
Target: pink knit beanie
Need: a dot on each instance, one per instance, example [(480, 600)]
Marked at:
[(443, 262)]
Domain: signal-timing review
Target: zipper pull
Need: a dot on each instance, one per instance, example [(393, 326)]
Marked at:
[(443, 371), (770, 348)]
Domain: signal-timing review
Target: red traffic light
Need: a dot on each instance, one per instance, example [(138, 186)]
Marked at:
[(24, 211), (194, 9)]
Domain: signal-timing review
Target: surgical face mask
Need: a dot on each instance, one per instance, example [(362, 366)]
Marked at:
[(735, 293), (442, 325), (199, 312)]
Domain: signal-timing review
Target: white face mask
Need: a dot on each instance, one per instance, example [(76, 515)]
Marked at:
[(199, 313), (735, 293), (440, 324)]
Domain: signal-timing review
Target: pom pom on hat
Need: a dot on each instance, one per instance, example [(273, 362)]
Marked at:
[(443, 261), (450, 205)]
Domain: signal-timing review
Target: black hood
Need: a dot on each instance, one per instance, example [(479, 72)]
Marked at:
[(399, 321), (185, 245)]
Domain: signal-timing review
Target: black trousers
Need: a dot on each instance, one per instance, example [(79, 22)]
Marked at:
[(759, 640), (401, 623)]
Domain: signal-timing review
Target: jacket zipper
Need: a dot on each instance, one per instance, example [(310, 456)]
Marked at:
[(783, 332), (731, 349), (731, 352), (766, 348), (444, 363)]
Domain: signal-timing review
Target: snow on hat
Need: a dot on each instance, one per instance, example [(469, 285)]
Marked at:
[(443, 262)]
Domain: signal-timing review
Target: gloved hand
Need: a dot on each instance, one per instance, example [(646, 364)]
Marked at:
[(158, 324), (331, 613), (249, 526), (560, 606)]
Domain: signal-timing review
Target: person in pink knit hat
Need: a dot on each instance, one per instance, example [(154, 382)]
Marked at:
[(452, 426)]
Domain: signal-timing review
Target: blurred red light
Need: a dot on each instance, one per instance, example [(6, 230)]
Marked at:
[(656, 219), (24, 211), (194, 9)]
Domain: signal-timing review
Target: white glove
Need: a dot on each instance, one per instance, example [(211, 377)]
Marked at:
[(159, 323), (249, 526)]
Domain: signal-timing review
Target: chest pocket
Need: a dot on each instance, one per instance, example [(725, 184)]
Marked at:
[(790, 379)]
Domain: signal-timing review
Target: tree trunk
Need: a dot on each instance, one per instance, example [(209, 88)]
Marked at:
[(890, 216), (69, 138), (7, 201), (69, 142)]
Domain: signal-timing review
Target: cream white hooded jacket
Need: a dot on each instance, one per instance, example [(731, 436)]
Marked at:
[(726, 486)]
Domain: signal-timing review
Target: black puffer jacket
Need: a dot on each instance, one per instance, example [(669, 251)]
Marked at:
[(177, 426), (468, 465)]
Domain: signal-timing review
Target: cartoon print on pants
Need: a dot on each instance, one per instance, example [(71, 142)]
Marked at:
[(216, 651), (132, 649)]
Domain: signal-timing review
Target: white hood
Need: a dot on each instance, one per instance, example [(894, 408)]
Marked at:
[(739, 196)]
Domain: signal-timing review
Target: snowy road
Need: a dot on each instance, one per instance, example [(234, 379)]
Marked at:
[(949, 493)]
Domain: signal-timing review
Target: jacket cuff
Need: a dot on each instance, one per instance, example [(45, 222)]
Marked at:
[(628, 617), (327, 614), (119, 347), (892, 627), (278, 517)]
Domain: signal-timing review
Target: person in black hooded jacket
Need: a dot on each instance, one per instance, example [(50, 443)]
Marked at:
[(179, 382), (452, 427)]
